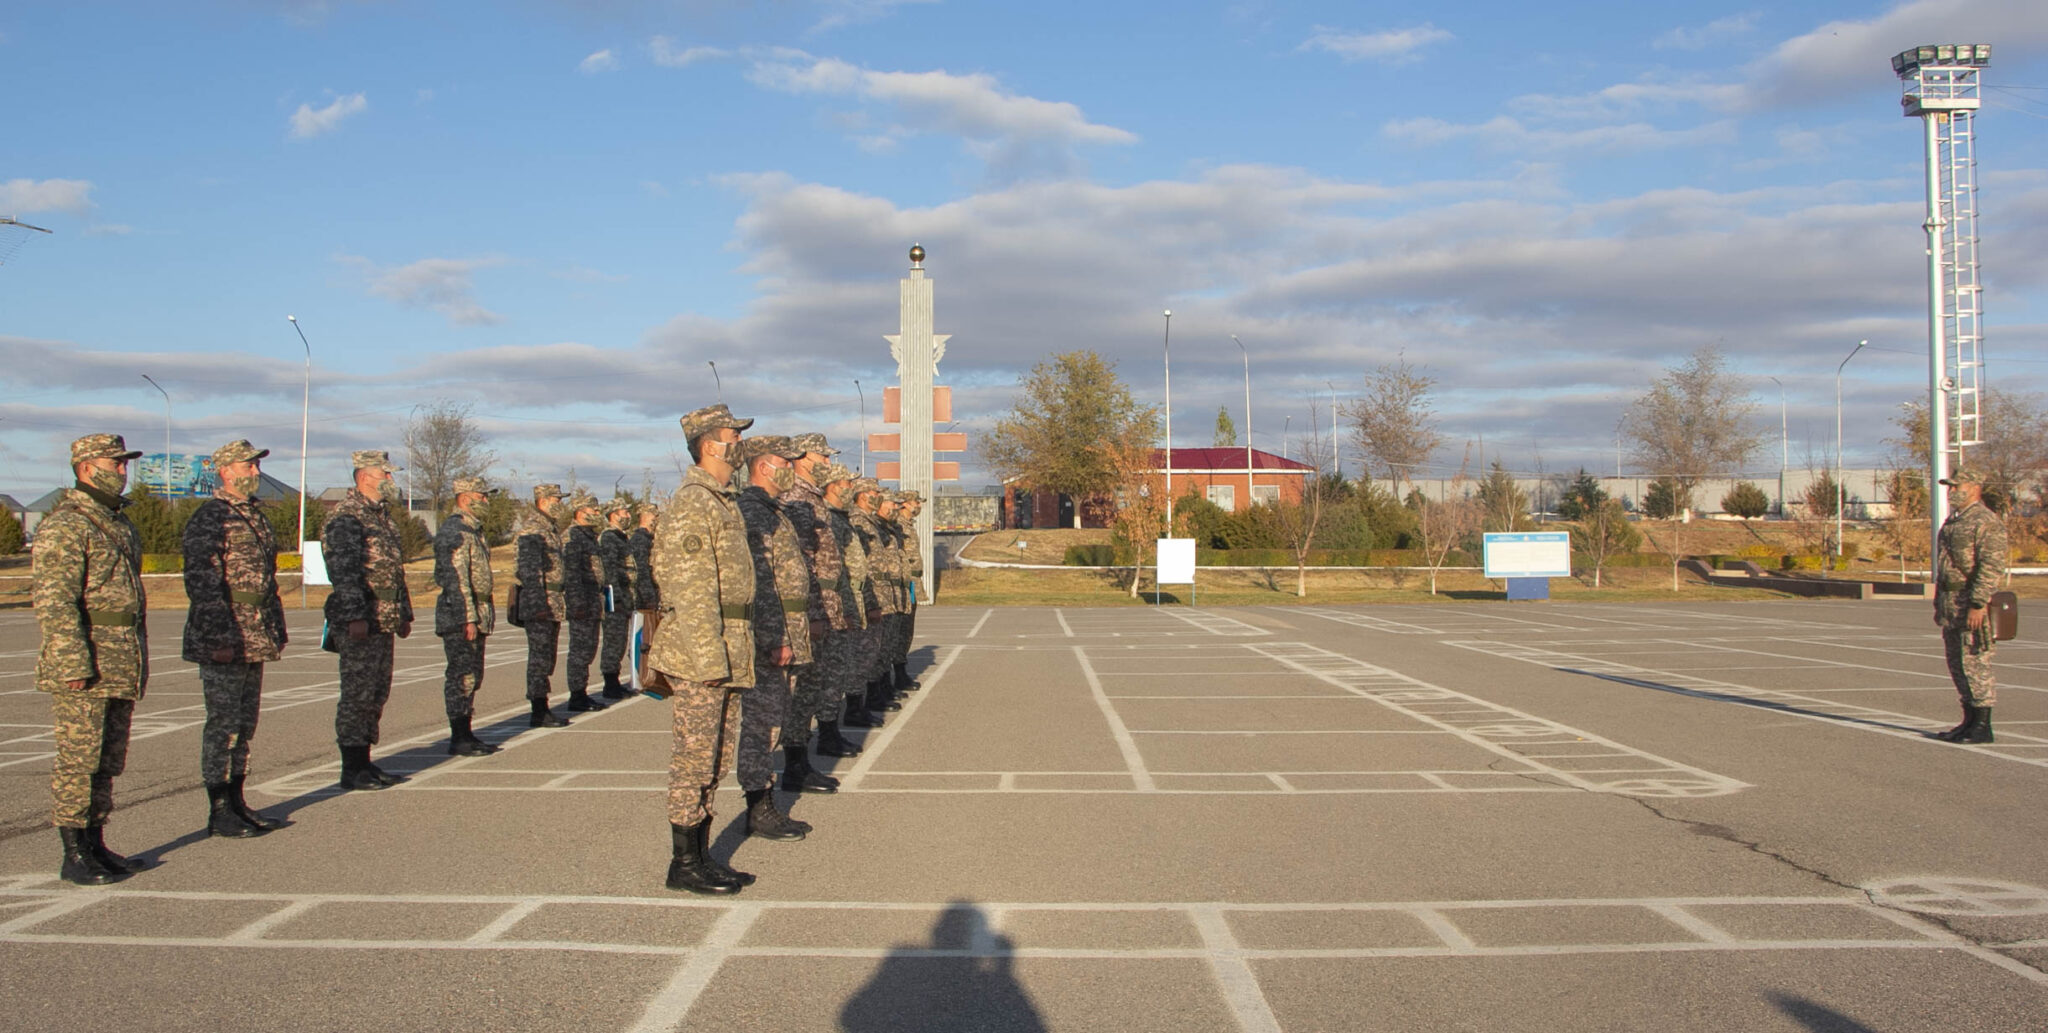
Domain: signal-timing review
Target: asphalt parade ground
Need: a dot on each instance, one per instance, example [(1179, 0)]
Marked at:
[(1457, 817)]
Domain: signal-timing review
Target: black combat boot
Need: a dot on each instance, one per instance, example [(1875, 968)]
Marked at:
[(766, 821), (904, 683), (614, 688), (580, 702), (371, 770), (832, 744), (687, 870), (96, 839), (1969, 717), (462, 742), (545, 718), (353, 760), (857, 713), (1979, 730), (256, 821), (81, 865), (881, 696), (221, 819), (711, 860), (798, 776)]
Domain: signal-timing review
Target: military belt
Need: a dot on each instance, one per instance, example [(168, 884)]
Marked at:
[(736, 611), (110, 618), (389, 595), (795, 605), (252, 598)]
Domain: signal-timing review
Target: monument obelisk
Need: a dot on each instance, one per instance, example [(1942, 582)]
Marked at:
[(917, 352)]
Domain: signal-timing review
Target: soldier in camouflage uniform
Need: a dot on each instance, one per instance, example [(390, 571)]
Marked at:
[(889, 543), (234, 627), (94, 661), (540, 609), (704, 644), (863, 707), (834, 608), (464, 615), (646, 593), (369, 605), (910, 503), (782, 640), (615, 549), (1971, 562), (583, 590)]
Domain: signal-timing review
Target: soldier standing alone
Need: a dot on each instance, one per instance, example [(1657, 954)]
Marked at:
[(94, 661), (782, 641), (615, 550), (464, 615), (704, 645), (368, 606), (583, 590), (235, 626), (1970, 564), (539, 608)]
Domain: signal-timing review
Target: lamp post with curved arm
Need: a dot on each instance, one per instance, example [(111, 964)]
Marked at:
[(167, 432)]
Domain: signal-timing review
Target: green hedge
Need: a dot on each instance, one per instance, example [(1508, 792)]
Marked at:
[(1090, 556), (162, 562)]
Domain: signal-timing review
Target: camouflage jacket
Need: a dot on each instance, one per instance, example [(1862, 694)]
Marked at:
[(782, 580), (831, 593), (616, 551), (1972, 563), (910, 558), (537, 569), (88, 581), (885, 563), (646, 593), (582, 574), (231, 583), (462, 570), (707, 586), (360, 543), (860, 595)]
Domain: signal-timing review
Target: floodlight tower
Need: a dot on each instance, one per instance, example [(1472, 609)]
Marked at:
[(1940, 84)]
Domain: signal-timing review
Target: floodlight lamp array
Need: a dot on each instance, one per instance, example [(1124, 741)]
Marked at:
[(1905, 62)]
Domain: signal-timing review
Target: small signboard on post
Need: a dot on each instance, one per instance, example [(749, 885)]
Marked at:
[(1528, 560), (1174, 565)]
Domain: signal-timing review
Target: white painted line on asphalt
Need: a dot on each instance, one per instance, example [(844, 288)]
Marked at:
[(1218, 624), (1068, 629), (671, 1005), (1240, 985), (1453, 937), (871, 749), (317, 778), (1692, 923), (1124, 743), (503, 924), (261, 927), (985, 615)]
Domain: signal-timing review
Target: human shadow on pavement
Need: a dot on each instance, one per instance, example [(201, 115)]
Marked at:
[(1738, 698), (961, 980), (1816, 1016)]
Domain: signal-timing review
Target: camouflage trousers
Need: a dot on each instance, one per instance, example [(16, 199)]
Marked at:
[(821, 685), (618, 624), (92, 747), (542, 639), (234, 695), (465, 673), (365, 685), (1969, 663), (583, 637), (763, 709), (887, 633), (706, 735)]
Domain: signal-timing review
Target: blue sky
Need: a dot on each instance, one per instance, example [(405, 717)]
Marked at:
[(559, 212)]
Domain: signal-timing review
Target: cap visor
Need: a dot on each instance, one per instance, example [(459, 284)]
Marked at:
[(126, 456), (257, 456)]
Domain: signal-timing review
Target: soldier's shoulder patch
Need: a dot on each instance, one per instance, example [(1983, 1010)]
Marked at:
[(692, 543)]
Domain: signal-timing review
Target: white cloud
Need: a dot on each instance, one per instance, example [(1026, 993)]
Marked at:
[(841, 13), (25, 196), (1013, 133), (1509, 134), (602, 61), (1388, 45), (1843, 57), (1721, 30), (1626, 100), (308, 122), (444, 285), (666, 54)]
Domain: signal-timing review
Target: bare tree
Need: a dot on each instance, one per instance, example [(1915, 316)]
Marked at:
[(1446, 523), (1393, 422), (1298, 521), (442, 443), (1139, 498), (1696, 421)]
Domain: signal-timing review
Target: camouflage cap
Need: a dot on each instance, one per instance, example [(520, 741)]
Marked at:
[(814, 442), (834, 474), (547, 491), (620, 505), (710, 418), (101, 446), (912, 497), (237, 451), (768, 445), (474, 484), (582, 500), (372, 459), (1963, 475)]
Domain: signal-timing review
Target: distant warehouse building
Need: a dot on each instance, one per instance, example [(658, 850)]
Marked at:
[(1216, 474)]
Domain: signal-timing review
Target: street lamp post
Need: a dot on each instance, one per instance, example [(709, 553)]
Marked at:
[(305, 410), (1286, 425), (1784, 444), (167, 432), (716, 384), (863, 427), (1841, 495), (1166, 347), (1248, 496), (1336, 450), (411, 432)]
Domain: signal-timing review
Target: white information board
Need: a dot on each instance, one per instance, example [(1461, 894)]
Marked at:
[(312, 564), (1529, 554), (1176, 562)]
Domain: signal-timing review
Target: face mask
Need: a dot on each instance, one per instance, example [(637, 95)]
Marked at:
[(388, 491), (719, 450), (784, 478), (107, 480)]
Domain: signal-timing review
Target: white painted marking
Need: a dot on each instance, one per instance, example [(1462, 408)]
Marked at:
[(1068, 629), (985, 615), (1453, 937), (872, 749), (1124, 743), (671, 1005), (1234, 976)]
